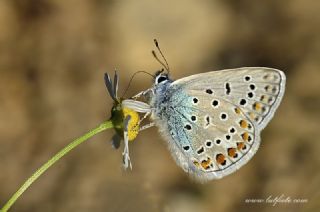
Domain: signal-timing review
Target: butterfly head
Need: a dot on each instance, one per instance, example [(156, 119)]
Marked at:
[(161, 78)]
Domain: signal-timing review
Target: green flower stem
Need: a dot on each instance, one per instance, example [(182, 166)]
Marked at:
[(104, 126)]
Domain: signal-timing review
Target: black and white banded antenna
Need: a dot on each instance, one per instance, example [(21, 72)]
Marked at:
[(165, 64)]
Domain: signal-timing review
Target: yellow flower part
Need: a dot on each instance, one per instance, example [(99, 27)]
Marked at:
[(119, 113), (124, 117), (133, 125)]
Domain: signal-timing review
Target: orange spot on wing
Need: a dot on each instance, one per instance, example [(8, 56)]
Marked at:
[(221, 159), (237, 110), (243, 124), (232, 152), (245, 136), (206, 163), (257, 106), (240, 145)]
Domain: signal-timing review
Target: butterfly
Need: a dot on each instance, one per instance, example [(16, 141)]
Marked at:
[(212, 121)]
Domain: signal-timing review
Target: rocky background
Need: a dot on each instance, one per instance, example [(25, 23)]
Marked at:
[(53, 55)]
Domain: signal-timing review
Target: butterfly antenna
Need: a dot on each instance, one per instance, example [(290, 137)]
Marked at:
[(166, 65), (131, 79)]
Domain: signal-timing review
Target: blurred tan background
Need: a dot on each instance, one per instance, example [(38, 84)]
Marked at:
[(53, 55)]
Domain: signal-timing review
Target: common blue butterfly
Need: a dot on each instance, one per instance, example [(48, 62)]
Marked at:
[(212, 121)]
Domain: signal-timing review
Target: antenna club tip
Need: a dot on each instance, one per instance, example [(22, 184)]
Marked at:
[(155, 42), (153, 53)]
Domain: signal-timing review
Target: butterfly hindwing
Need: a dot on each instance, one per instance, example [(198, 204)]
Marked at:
[(216, 140)]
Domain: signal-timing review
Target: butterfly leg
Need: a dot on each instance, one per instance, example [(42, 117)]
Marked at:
[(125, 154), (138, 95), (142, 93), (145, 116), (144, 127)]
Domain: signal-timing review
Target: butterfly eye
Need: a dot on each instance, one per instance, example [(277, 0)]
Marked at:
[(161, 78)]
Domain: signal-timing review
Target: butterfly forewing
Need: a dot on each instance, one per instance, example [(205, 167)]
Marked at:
[(256, 91)]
